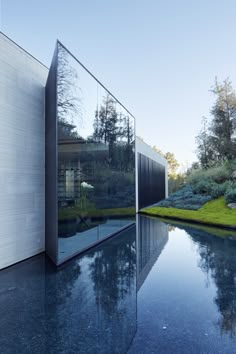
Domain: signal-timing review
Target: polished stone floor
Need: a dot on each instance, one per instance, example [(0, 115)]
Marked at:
[(154, 288)]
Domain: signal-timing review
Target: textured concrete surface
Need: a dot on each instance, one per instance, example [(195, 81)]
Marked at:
[(22, 81)]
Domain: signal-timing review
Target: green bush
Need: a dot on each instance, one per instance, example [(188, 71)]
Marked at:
[(218, 174), (209, 187), (230, 196), (203, 186), (231, 165), (185, 199), (217, 190)]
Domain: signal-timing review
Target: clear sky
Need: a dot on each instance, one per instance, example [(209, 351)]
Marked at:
[(158, 57)]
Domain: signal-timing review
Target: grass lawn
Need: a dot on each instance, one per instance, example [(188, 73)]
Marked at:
[(214, 212)]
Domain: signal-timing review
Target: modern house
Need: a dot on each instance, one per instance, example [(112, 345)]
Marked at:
[(72, 172)]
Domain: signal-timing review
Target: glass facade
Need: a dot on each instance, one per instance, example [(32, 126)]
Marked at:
[(95, 159)]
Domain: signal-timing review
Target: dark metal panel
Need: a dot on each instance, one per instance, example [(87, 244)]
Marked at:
[(51, 161), (151, 181)]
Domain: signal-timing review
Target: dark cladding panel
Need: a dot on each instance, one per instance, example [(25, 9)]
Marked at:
[(51, 161), (151, 181)]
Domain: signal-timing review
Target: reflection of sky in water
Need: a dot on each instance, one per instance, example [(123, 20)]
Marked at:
[(187, 303)]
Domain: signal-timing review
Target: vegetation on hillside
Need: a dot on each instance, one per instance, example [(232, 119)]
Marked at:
[(214, 212), (175, 178), (210, 184), (216, 142)]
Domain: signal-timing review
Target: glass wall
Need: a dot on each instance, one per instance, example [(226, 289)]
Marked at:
[(96, 159)]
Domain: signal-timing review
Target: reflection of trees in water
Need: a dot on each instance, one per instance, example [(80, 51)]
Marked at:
[(218, 260), (62, 281), (90, 302), (113, 272)]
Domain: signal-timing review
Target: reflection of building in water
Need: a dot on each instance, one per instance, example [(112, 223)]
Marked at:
[(152, 237), (87, 306)]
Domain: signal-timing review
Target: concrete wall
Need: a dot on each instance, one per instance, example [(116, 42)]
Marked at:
[(22, 150), (146, 150)]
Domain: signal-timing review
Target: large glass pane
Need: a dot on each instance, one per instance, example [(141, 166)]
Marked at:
[(96, 172)]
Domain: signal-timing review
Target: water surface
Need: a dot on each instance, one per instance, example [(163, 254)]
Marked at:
[(154, 288), (187, 303)]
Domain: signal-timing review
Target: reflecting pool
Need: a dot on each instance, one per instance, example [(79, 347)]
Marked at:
[(153, 288)]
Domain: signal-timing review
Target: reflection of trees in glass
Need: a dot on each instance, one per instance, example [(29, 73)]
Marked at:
[(114, 273), (128, 132), (106, 127), (67, 131), (218, 260), (115, 129), (68, 101)]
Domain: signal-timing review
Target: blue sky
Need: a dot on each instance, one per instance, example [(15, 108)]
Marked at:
[(159, 58)]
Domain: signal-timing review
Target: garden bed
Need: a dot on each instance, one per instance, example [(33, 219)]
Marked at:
[(214, 212)]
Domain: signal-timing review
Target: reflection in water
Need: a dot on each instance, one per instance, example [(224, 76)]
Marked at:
[(87, 306), (218, 261), (187, 304), (152, 238), (217, 251)]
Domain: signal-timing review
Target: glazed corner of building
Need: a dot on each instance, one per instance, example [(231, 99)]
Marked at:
[(22, 156)]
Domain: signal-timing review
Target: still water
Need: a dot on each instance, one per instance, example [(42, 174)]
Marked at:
[(154, 288)]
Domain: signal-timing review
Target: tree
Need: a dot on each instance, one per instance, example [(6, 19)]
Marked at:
[(205, 146), (157, 149), (224, 120), (217, 140), (173, 164), (175, 179)]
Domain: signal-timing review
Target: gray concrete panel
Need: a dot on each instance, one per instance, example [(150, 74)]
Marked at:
[(22, 154)]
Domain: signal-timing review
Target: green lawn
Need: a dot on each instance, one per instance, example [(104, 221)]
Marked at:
[(214, 212)]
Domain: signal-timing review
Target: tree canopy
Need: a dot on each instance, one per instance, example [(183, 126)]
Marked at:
[(216, 140)]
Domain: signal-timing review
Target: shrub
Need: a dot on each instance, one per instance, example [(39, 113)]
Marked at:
[(231, 165), (203, 186), (217, 190), (218, 174), (209, 187), (185, 199), (230, 196)]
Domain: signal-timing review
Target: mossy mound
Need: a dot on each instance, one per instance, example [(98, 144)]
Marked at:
[(214, 212)]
